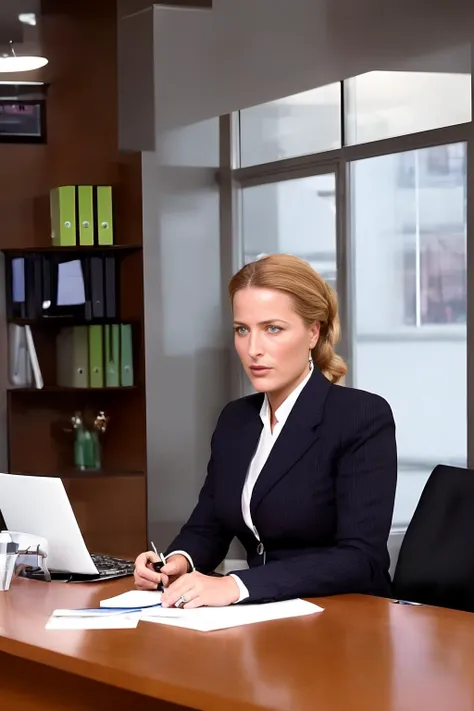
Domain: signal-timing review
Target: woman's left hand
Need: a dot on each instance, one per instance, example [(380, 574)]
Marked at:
[(198, 590)]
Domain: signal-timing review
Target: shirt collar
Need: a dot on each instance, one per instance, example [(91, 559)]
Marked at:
[(281, 415)]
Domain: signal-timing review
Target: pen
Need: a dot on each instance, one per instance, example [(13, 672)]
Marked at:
[(158, 566), (406, 602)]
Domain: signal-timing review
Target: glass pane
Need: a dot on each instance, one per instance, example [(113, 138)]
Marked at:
[(296, 125), (386, 104), (409, 239), (292, 217)]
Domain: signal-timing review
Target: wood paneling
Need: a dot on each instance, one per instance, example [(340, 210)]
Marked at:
[(111, 512)]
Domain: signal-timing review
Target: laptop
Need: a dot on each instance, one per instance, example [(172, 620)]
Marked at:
[(39, 506)]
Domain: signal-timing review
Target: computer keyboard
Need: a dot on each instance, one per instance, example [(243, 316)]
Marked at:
[(110, 567)]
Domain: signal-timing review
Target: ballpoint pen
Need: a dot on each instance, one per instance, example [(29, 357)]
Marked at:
[(158, 565)]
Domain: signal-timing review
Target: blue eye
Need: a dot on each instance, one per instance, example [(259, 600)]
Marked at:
[(274, 329), (240, 330)]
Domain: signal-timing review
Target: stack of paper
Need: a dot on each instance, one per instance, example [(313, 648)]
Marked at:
[(119, 612), (92, 620), (126, 610)]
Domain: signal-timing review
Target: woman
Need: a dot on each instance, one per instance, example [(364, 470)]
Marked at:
[(303, 473)]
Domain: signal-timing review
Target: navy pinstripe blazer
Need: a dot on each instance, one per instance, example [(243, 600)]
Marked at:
[(323, 502)]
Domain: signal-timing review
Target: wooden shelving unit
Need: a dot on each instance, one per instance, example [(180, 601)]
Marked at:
[(69, 390), (110, 505), (72, 251)]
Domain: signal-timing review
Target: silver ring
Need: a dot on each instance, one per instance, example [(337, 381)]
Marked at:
[(181, 601)]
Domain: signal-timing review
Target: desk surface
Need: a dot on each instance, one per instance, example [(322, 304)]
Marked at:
[(361, 653)]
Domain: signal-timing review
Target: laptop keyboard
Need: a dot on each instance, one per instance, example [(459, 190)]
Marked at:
[(109, 566)]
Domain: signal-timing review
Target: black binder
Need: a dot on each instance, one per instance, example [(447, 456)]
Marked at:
[(33, 286), (111, 292), (97, 287)]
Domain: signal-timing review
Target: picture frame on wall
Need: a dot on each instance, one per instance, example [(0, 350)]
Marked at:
[(22, 120)]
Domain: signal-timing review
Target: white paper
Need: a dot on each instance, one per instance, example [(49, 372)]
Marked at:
[(206, 619), (96, 622), (70, 284), (133, 598), (30, 346)]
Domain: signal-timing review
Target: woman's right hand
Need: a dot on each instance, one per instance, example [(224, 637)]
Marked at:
[(147, 579)]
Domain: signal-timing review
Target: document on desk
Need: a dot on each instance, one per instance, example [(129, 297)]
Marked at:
[(133, 599), (93, 620), (207, 619)]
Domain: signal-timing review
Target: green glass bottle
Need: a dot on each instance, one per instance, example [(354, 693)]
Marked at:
[(79, 453)]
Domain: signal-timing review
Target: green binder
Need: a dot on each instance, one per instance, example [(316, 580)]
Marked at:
[(126, 355), (63, 216), (72, 357), (105, 234), (112, 355), (96, 357), (85, 204)]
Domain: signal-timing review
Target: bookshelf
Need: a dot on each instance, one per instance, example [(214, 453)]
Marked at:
[(40, 434), (110, 504), (40, 417)]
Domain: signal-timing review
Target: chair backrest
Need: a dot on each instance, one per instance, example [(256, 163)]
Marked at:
[(436, 561)]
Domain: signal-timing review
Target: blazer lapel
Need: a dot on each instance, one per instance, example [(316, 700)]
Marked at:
[(240, 452), (299, 432)]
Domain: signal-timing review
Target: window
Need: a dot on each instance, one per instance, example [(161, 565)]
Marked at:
[(434, 234), (294, 217), (409, 276), (305, 123), (386, 104)]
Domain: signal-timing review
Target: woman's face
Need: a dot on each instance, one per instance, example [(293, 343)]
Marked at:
[(272, 340)]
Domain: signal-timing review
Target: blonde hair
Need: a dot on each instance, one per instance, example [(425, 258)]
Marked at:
[(313, 299)]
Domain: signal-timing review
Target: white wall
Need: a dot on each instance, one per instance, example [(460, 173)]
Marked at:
[(186, 348)]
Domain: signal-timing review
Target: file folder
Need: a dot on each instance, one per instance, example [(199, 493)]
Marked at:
[(33, 286), (72, 357), (64, 287), (112, 355), (63, 216), (97, 287), (15, 283), (85, 213), (126, 355), (20, 372), (110, 287), (96, 356), (105, 233)]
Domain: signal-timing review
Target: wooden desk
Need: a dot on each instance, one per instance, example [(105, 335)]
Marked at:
[(361, 654)]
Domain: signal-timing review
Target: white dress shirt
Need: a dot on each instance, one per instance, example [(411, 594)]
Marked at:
[(264, 447)]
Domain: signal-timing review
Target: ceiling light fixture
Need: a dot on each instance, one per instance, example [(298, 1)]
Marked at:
[(19, 63), (27, 18)]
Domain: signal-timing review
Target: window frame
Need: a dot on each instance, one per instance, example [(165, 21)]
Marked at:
[(232, 178)]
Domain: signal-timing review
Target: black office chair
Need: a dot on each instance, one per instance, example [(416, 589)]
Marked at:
[(436, 561)]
